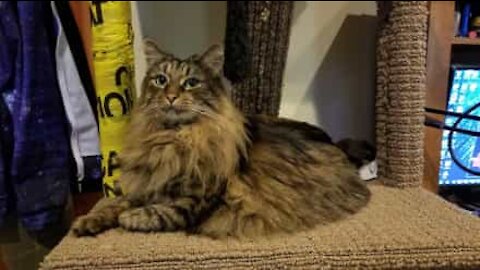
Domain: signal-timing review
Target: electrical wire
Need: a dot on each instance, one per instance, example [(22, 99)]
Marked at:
[(437, 124), (460, 118)]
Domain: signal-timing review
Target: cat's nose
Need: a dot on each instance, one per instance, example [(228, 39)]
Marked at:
[(171, 98)]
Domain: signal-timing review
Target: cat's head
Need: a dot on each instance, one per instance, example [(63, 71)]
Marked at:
[(181, 91)]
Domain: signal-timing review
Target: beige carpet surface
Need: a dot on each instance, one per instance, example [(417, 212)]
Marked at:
[(400, 229)]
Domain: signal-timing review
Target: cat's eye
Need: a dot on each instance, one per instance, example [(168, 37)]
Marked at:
[(160, 80), (191, 83)]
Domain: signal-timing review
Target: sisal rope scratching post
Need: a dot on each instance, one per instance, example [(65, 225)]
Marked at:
[(258, 33), (401, 75)]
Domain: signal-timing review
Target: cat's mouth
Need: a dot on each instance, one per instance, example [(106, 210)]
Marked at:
[(176, 112), (177, 115), (174, 109)]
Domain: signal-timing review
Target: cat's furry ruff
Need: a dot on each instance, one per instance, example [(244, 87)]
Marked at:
[(218, 173)]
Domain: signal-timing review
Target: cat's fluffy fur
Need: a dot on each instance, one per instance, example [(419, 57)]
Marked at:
[(197, 164)]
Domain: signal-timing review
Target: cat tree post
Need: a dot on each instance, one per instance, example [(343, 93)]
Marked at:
[(258, 33), (401, 84)]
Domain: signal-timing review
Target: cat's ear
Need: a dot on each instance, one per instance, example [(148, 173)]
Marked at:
[(153, 54), (213, 58)]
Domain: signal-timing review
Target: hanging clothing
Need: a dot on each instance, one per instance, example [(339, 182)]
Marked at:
[(6, 142), (84, 137), (7, 52), (41, 167), (71, 56), (78, 47)]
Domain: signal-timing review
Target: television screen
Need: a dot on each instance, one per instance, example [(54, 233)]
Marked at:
[(464, 93)]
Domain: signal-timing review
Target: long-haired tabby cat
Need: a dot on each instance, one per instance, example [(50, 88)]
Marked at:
[(193, 162)]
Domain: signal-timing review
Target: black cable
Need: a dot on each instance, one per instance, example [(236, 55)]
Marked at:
[(440, 125), (436, 111), (450, 136)]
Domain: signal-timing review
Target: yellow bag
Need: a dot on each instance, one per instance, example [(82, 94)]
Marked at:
[(114, 73)]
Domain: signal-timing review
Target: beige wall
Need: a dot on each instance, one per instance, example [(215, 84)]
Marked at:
[(329, 78)]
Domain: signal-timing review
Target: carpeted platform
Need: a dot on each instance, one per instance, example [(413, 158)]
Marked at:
[(400, 229)]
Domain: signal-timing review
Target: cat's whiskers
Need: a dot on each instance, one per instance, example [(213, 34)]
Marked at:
[(205, 113)]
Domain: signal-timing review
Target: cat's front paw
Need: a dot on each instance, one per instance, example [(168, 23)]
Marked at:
[(90, 225), (138, 219)]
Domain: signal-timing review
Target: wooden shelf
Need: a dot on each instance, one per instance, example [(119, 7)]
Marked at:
[(443, 50), (466, 41)]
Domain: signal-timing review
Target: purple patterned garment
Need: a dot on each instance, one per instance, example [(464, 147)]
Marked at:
[(39, 168)]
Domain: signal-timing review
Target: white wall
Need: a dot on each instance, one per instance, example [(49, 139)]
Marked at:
[(329, 77), (330, 73)]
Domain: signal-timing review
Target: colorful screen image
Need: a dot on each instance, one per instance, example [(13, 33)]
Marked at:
[(464, 93)]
